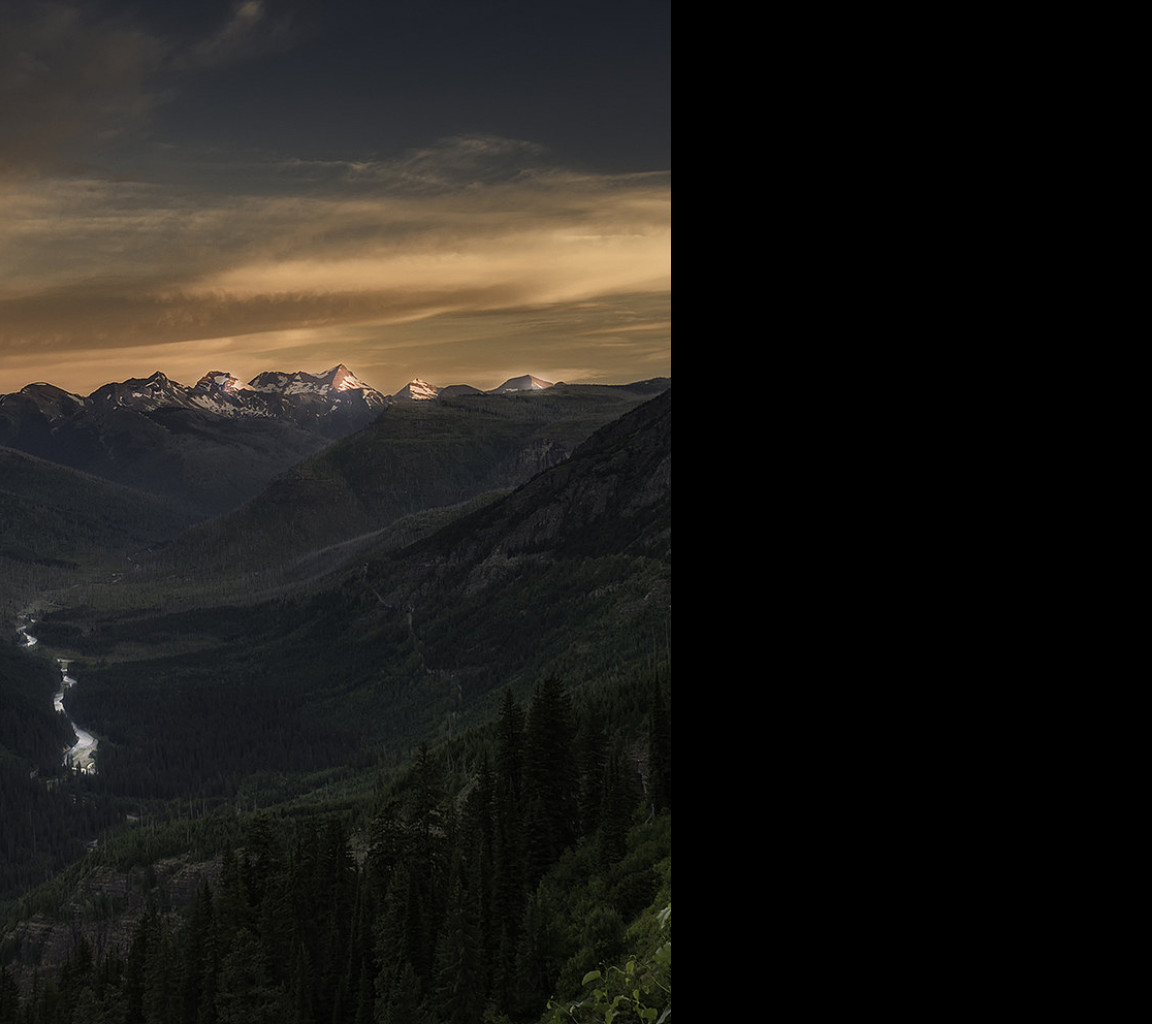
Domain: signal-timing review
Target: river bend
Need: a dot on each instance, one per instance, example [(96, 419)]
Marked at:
[(81, 756)]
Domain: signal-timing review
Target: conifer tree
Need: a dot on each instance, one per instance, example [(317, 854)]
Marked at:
[(9, 998), (459, 991), (478, 847), (592, 752), (550, 798), (508, 859), (134, 973), (659, 748), (541, 953), (613, 834), (196, 958), (510, 749), (246, 993), (404, 1004)]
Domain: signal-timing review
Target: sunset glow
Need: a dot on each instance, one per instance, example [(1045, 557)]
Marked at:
[(160, 210)]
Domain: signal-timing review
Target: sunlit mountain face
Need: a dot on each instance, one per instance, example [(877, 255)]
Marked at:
[(216, 380), (217, 391)]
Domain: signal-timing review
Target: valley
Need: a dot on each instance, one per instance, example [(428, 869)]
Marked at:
[(417, 664)]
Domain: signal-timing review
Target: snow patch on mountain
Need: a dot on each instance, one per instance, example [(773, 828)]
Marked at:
[(417, 391), (525, 383), (220, 380), (340, 378), (334, 395)]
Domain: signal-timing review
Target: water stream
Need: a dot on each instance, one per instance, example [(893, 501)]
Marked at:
[(81, 755)]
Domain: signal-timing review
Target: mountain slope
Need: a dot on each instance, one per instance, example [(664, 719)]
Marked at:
[(55, 521), (568, 574), (415, 456)]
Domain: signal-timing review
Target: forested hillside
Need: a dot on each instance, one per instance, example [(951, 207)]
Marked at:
[(414, 457), (489, 878), (58, 524)]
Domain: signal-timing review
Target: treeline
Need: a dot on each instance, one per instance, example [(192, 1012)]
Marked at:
[(454, 905)]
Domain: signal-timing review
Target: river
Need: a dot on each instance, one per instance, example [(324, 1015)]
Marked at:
[(81, 756)]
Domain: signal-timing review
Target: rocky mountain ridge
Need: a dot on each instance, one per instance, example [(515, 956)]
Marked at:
[(214, 445), (271, 393), (336, 394), (421, 390), (209, 447)]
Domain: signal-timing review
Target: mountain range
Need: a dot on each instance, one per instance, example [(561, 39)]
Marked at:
[(208, 446), (331, 400)]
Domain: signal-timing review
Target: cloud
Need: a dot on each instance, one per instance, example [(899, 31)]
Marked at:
[(252, 30), (623, 338), (68, 79), (466, 243), (85, 262), (76, 77)]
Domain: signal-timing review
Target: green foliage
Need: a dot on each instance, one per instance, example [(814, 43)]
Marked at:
[(636, 990), (431, 915)]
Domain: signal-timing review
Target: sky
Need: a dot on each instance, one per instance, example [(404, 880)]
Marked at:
[(457, 190)]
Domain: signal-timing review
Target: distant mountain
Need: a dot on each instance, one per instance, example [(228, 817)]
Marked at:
[(218, 443), (331, 403), (55, 520), (525, 383), (220, 380), (417, 391), (420, 390), (210, 446), (455, 390)]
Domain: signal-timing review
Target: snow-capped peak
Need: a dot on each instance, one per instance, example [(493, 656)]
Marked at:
[(525, 383), (340, 378), (220, 380), (339, 387), (157, 382), (418, 390)]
